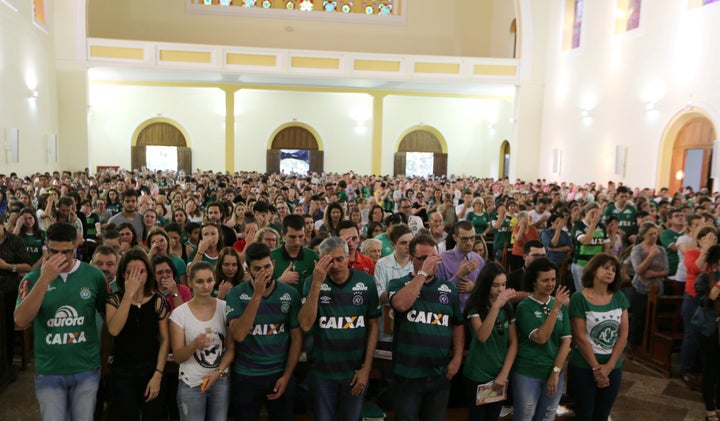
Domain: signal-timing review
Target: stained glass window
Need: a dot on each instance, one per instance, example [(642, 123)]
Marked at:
[(633, 20), (577, 23), (709, 1)]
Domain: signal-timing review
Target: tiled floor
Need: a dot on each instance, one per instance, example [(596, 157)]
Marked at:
[(644, 395)]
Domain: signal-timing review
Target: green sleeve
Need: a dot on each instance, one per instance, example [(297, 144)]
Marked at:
[(566, 331), (232, 299), (577, 306), (525, 320), (294, 309)]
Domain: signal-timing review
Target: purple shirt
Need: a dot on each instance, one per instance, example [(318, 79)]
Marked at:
[(451, 261)]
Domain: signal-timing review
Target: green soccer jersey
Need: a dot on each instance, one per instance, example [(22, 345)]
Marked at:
[(503, 234), (485, 359), (626, 218), (65, 335), (602, 325), (303, 264), (423, 335), (667, 238), (479, 220), (386, 248), (533, 359), (341, 326), (34, 246), (584, 252), (265, 349)]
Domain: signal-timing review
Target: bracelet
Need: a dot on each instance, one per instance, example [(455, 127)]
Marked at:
[(221, 372), (159, 371)]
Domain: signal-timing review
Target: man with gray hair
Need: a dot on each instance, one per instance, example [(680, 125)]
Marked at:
[(341, 309)]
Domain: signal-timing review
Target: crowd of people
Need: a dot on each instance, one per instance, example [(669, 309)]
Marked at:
[(264, 287)]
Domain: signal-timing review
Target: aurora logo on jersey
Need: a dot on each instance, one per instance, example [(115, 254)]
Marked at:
[(66, 316), (352, 322), (265, 329), (429, 318)]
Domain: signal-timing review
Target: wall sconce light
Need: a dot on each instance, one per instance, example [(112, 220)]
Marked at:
[(680, 175), (649, 106), (34, 94)]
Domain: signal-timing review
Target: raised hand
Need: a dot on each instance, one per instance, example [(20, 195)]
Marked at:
[(562, 296), (505, 296), (289, 276)]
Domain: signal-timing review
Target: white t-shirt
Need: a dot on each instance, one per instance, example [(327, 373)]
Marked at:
[(195, 368)]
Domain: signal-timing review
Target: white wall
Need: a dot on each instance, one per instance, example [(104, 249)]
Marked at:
[(473, 147), (671, 60), (26, 64), (117, 110), (333, 115)]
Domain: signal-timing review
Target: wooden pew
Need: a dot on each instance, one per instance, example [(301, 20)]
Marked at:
[(662, 336)]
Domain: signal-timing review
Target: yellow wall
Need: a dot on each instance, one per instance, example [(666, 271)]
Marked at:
[(457, 28)]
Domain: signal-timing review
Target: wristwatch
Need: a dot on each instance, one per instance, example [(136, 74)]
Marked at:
[(424, 274), (556, 370), (13, 268)]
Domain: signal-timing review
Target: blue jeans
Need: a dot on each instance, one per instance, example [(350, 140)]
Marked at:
[(425, 397), (249, 393), (334, 397), (211, 405), (530, 399), (487, 412), (689, 352), (56, 392), (592, 403)]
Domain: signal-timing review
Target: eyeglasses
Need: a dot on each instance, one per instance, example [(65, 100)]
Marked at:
[(468, 238)]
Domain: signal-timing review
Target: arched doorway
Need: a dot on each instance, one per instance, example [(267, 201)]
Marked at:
[(504, 167), (421, 152), (296, 142), (161, 145), (686, 151)]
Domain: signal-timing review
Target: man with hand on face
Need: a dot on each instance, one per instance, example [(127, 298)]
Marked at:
[(62, 299), (293, 262), (461, 265), (341, 309), (348, 231), (429, 336), (263, 320)]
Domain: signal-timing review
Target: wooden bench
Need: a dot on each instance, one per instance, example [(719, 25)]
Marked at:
[(662, 336)]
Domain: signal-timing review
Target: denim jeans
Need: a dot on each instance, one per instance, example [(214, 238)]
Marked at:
[(530, 399), (56, 392), (486, 412), (128, 394), (334, 398), (211, 405), (249, 393), (689, 353), (425, 397), (592, 403)]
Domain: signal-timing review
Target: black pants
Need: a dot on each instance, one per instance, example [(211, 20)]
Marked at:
[(709, 351), (9, 292), (128, 390)]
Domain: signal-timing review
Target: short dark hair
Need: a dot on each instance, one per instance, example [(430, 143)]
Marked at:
[(533, 270), (104, 251), (425, 239), (398, 231), (532, 244), (62, 231), (219, 206), (395, 218), (256, 251), (160, 259), (347, 224), (462, 224), (293, 221), (130, 193)]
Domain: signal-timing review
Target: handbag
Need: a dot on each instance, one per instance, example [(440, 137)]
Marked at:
[(704, 320)]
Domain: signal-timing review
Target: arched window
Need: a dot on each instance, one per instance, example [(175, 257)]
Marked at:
[(420, 153), (161, 145), (292, 146), (504, 168)]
